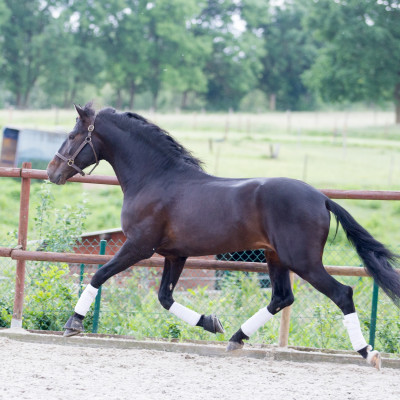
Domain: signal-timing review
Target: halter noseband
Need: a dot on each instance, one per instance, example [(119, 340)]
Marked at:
[(71, 161)]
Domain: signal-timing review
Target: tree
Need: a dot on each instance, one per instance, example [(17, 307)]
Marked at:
[(23, 34), (152, 46), (173, 47), (234, 67), (289, 52), (188, 74), (86, 57), (360, 57), (58, 62), (126, 66), (4, 15)]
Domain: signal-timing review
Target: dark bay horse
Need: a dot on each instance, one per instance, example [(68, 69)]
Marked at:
[(173, 208)]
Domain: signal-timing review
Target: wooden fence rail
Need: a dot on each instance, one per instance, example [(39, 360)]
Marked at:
[(20, 254), (157, 261)]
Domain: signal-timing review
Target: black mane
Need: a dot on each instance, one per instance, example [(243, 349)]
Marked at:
[(151, 133)]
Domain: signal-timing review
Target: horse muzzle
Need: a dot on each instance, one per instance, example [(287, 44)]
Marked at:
[(55, 176)]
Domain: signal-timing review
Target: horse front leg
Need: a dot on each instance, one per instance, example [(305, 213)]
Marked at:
[(172, 271), (129, 254)]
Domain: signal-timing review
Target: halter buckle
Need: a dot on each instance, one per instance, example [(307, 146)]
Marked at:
[(70, 162)]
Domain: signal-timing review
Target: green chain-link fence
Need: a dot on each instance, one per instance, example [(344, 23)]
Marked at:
[(129, 304)]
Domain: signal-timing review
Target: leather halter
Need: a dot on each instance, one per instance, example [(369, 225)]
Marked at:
[(71, 161)]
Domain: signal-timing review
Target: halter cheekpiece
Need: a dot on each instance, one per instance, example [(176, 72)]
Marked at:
[(71, 161)]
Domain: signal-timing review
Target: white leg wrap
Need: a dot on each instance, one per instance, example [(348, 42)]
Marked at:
[(189, 316), (260, 318), (352, 324), (86, 299)]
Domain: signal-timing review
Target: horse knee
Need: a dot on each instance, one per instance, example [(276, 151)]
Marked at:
[(278, 303), (165, 299)]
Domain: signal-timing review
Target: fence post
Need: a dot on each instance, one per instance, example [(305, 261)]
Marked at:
[(96, 314), (16, 321), (285, 320), (374, 312), (81, 273)]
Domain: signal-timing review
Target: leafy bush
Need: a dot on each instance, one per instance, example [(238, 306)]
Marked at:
[(5, 312), (58, 229), (49, 300)]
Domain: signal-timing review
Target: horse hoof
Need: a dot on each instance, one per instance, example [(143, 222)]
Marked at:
[(74, 326), (374, 358), (212, 324), (217, 324), (71, 332), (232, 346)]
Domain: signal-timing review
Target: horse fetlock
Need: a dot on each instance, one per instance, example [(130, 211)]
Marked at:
[(165, 299), (212, 324), (74, 326)]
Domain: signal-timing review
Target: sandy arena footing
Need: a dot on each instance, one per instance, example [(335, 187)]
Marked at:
[(49, 366)]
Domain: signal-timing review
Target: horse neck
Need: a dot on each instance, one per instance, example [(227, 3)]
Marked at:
[(134, 164)]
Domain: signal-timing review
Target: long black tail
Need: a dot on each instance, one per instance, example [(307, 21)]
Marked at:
[(377, 258)]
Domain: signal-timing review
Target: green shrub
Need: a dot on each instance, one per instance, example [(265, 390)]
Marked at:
[(5, 312), (50, 289)]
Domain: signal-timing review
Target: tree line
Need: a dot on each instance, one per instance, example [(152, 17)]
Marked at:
[(213, 54)]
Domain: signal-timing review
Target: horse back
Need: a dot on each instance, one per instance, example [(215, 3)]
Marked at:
[(220, 215)]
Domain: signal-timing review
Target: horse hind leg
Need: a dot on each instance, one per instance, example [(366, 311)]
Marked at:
[(282, 296), (342, 296), (172, 271)]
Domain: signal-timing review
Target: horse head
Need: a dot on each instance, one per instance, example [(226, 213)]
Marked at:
[(78, 150)]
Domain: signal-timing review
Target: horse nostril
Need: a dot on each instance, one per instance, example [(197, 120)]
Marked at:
[(52, 177)]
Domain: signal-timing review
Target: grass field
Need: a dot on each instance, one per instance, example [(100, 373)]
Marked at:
[(344, 150)]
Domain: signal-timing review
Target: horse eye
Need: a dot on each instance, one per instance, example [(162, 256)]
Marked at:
[(71, 137)]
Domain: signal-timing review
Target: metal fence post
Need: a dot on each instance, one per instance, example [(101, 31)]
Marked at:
[(374, 312), (16, 321), (81, 273), (96, 315), (285, 321)]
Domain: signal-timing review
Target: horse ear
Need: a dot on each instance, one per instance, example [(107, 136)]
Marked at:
[(88, 105), (80, 111)]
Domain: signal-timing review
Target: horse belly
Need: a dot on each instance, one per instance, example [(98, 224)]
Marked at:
[(212, 231)]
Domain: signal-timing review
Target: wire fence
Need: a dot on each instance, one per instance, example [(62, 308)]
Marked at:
[(129, 303), (130, 306)]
